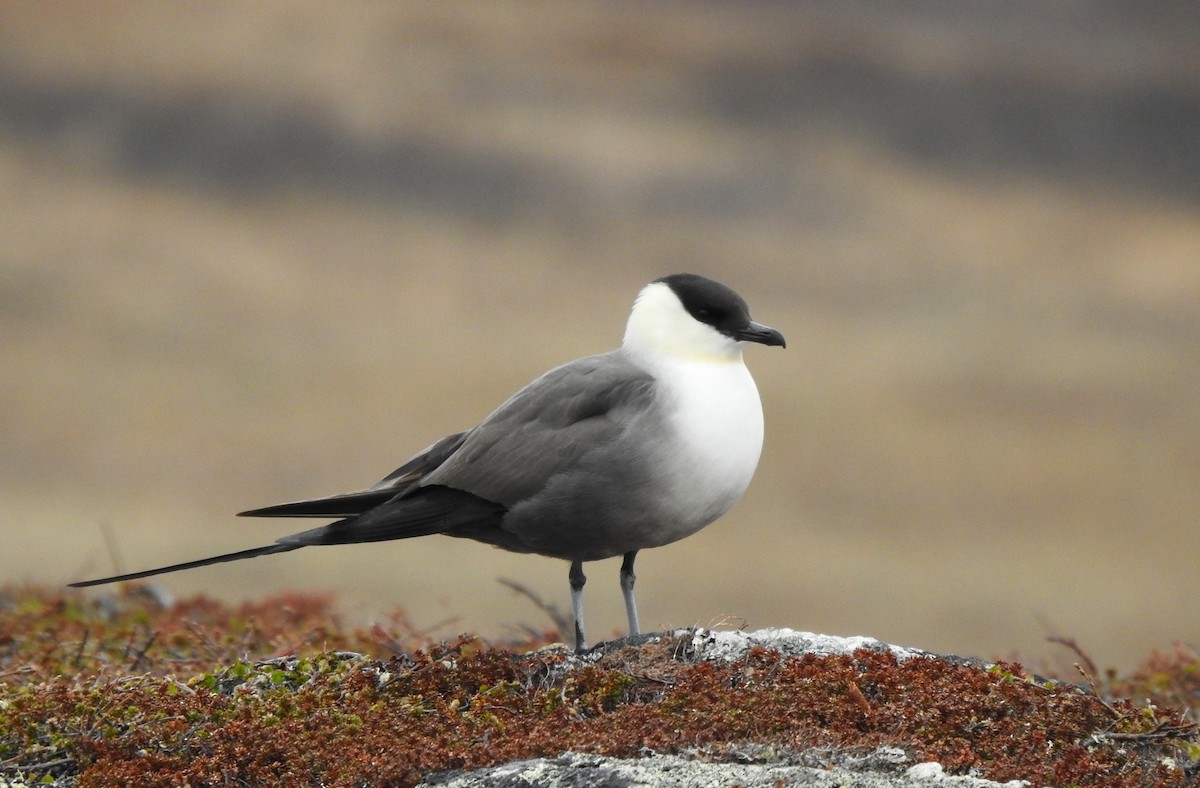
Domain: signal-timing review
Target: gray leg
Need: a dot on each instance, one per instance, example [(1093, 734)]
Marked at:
[(577, 580), (627, 578)]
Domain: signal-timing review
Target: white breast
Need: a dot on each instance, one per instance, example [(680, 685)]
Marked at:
[(715, 442)]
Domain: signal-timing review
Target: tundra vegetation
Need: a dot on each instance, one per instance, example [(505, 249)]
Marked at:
[(121, 690)]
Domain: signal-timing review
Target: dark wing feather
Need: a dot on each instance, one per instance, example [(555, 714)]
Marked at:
[(546, 428), (429, 510), (420, 464), (350, 504)]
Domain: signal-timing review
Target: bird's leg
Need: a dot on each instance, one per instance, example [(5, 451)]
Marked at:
[(577, 580), (627, 579)]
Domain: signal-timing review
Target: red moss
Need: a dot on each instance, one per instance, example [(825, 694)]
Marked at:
[(338, 719)]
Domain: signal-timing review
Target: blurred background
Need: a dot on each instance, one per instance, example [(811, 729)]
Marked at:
[(251, 253)]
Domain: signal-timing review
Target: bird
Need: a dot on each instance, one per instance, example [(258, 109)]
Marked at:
[(600, 457)]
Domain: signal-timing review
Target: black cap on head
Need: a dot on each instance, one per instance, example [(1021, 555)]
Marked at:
[(720, 307)]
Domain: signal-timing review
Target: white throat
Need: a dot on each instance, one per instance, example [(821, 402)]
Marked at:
[(661, 329)]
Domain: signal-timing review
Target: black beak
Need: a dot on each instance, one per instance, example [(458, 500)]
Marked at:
[(763, 335)]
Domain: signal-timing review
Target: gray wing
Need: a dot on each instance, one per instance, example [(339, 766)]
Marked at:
[(398, 482), (547, 428), (467, 481)]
